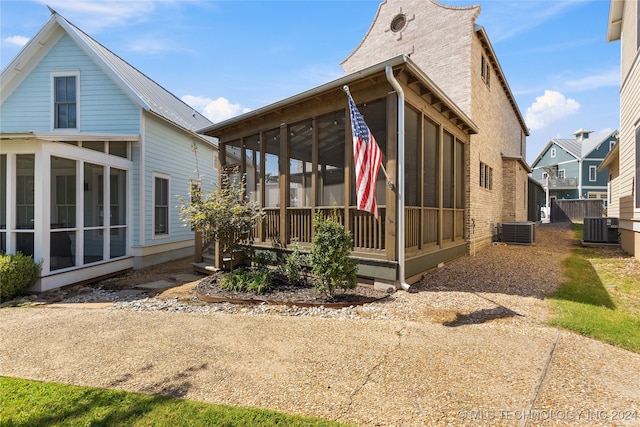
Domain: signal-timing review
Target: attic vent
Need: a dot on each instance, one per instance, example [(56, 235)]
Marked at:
[(398, 23), (519, 233)]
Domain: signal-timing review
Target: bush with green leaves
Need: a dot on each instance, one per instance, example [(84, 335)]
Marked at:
[(294, 265), (227, 214), (17, 274), (331, 266), (262, 259), (251, 281)]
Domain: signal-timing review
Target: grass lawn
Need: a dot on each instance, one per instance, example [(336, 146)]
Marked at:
[(34, 403), (601, 296)]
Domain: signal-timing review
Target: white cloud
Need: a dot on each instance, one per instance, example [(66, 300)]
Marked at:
[(215, 110), (606, 78), (16, 40), (94, 15), (548, 108)]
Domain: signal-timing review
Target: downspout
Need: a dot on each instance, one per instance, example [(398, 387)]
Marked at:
[(400, 184)]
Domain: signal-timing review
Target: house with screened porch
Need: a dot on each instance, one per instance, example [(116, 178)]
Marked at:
[(85, 138), (452, 137)]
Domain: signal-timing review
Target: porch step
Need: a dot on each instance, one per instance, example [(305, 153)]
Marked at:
[(204, 267)]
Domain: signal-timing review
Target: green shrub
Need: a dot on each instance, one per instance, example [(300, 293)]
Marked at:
[(331, 266), (294, 265), (257, 282), (262, 260), (17, 274)]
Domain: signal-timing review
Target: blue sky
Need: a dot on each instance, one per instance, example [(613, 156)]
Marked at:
[(227, 57)]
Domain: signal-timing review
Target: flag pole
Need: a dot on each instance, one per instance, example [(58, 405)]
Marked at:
[(389, 182)]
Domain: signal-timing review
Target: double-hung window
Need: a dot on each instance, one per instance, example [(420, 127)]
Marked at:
[(160, 205), (65, 101)]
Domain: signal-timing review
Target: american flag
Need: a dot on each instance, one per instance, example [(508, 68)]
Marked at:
[(367, 158)]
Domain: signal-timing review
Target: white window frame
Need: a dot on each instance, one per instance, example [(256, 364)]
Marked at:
[(561, 174), (153, 205), (593, 173), (553, 152), (69, 73)]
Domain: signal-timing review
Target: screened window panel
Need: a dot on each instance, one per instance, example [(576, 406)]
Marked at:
[(25, 188), (300, 164), (271, 172), (63, 191), (431, 157), (459, 175), (93, 195), (331, 140), (449, 168), (412, 156)]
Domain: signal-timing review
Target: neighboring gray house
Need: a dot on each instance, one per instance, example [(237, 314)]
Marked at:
[(569, 167), (94, 157)]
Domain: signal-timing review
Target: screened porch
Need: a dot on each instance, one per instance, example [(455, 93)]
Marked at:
[(298, 160)]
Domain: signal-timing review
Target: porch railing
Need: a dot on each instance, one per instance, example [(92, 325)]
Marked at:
[(421, 227)]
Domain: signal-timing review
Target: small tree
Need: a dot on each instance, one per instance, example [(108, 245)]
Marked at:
[(227, 214), (331, 266)]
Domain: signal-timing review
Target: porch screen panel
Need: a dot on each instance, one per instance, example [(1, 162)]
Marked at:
[(448, 180), (94, 212), (252, 167), (271, 172), (233, 160), (447, 173), (300, 164), (118, 213), (412, 157), (459, 191), (24, 209), (331, 165), (430, 182), (63, 240), (459, 175), (300, 171), (3, 203), (271, 177), (431, 156)]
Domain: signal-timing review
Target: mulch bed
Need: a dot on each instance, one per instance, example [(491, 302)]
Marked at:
[(302, 295)]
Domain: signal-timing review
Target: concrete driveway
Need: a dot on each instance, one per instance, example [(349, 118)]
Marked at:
[(364, 371)]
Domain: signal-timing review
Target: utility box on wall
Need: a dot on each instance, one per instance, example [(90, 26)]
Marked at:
[(518, 233), (600, 230)]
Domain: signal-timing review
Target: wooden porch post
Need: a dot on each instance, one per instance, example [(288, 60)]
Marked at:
[(348, 170), (283, 184), (315, 158)]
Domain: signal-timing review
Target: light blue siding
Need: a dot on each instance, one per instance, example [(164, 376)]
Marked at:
[(168, 151), (103, 106)]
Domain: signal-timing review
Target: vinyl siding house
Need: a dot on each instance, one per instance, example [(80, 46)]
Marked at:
[(569, 168), (452, 137), (94, 156), (624, 162)]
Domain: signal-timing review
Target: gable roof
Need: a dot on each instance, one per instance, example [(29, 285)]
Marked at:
[(142, 90), (372, 74), (579, 149)]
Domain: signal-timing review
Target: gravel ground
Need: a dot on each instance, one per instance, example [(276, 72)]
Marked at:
[(469, 348)]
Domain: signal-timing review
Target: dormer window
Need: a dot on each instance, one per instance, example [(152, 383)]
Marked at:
[(65, 100)]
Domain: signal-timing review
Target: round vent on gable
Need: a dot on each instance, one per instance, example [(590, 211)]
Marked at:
[(398, 23)]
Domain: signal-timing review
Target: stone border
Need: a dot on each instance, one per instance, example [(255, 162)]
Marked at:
[(207, 298)]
